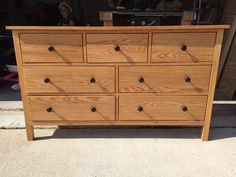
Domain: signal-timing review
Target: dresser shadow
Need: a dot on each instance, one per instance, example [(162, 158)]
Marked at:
[(111, 132), (193, 58), (65, 60)]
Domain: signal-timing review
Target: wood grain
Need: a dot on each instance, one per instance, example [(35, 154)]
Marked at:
[(164, 79), (166, 47), (88, 52), (69, 79), (162, 107), (68, 48), (106, 17), (119, 28), (28, 124), (216, 60), (66, 108), (101, 48), (123, 123)]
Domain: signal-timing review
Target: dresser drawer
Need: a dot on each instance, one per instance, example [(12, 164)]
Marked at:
[(111, 48), (183, 47), (162, 107), (63, 108), (69, 79), (62, 48), (164, 79)]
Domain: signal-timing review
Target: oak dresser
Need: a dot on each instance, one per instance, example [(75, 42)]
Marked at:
[(118, 75)]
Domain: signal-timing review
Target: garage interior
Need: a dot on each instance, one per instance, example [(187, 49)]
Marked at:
[(135, 151), (119, 13)]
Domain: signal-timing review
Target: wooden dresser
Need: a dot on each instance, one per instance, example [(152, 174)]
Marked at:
[(118, 75)]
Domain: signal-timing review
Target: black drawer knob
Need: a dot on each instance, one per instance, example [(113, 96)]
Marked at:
[(140, 109), (141, 80), (46, 80), (117, 48), (92, 80), (184, 108), (188, 79), (184, 47), (51, 49), (49, 109), (93, 109)]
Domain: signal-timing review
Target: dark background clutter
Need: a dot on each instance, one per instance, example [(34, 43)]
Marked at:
[(46, 13)]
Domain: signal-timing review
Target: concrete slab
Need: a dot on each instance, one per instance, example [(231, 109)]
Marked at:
[(118, 153), (12, 119), (11, 105)]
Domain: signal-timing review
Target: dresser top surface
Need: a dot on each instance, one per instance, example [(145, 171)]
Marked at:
[(118, 28)]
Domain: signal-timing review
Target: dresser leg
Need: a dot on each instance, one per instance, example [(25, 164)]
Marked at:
[(205, 132), (30, 132)]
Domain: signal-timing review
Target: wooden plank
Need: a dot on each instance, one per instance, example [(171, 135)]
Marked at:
[(106, 17), (225, 102), (187, 18), (120, 64), (123, 28), (29, 125), (149, 47), (84, 49), (122, 123), (206, 127)]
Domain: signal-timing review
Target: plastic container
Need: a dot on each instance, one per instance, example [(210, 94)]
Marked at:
[(12, 68)]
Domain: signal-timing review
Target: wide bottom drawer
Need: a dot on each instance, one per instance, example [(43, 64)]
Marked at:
[(48, 108), (162, 107)]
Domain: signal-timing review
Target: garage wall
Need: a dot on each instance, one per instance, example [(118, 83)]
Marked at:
[(228, 80)]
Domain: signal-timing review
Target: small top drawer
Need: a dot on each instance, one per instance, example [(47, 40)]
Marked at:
[(61, 48), (182, 47), (111, 48)]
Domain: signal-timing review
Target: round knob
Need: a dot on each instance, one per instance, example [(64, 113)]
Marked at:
[(184, 47), (140, 109), (117, 48), (93, 109), (93, 80), (46, 80), (188, 79), (51, 49), (49, 109), (184, 109), (141, 80)]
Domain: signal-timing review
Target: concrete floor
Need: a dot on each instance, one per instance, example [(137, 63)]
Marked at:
[(115, 152), (118, 153)]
